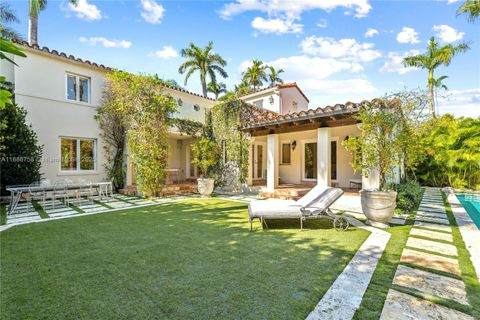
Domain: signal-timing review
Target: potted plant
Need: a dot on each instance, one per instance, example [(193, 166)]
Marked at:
[(206, 154), (377, 150)]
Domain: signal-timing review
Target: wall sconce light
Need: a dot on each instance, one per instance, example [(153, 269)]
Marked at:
[(180, 102), (271, 100), (294, 145), (346, 138)]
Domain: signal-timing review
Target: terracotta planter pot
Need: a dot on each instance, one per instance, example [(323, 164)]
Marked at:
[(205, 186), (378, 206)]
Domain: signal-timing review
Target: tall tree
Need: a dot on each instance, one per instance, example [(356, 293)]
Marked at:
[(256, 74), (205, 61), (471, 8), (217, 88), (274, 76), (34, 8), (7, 15), (432, 59)]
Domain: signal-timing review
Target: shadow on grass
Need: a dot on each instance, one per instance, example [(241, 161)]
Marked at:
[(191, 259)]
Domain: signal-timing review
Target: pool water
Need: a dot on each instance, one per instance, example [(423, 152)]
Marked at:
[(471, 203)]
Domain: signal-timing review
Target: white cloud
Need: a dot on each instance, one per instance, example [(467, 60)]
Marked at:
[(106, 42), (167, 52), (347, 86), (447, 33), (323, 23), (370, 33), (452, 1), (304, 67), (277, 25), (395, 62), (293, 8), (408, 35), (152, 12), (349, 49), (85, 10), (461, 103)]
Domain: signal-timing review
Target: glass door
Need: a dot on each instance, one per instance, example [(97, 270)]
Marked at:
[(258, 160), (310, 161)]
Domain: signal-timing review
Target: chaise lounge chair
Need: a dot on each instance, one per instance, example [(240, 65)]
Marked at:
[(315, 204)]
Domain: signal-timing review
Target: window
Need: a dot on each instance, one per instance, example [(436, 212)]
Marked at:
[(333, 160), (196, 107), (258, 104), (286, 153), (294, 106), (310, 156), (77, 154), (78, 88)]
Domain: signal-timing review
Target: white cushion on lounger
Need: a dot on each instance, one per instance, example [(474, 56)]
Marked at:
[(274, 207), (311, 196)]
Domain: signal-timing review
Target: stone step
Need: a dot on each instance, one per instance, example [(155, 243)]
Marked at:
[(431, 283), (433, 246), (433, 226), (432, 220), (431, 234), (432, 261), (402, 306)]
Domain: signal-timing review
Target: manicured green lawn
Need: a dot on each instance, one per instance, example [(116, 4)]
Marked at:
[(191, 259)]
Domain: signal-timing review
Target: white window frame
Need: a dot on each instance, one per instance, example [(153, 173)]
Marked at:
[(77, 92), (281, 152), (302, 168), (78, 170), (259, 100)]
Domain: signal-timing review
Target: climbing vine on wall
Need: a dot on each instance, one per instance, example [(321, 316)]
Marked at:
[(188, 127), (226, 120)]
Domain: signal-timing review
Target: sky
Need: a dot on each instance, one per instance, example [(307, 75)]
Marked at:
[(335, 50)]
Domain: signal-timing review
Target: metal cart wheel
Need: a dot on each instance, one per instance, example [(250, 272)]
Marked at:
[(340, 224)]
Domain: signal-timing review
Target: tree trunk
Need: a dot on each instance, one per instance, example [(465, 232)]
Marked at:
[(432, 92), (203, 81), (33, 30)]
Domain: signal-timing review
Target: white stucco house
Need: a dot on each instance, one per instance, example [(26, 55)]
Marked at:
[(294, 146)]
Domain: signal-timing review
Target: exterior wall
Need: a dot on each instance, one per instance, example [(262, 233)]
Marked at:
[(265, 96), (293, 172), (40, 87), (290, 95)]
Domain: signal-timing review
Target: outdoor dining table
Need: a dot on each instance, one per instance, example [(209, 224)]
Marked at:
[(105, 189)]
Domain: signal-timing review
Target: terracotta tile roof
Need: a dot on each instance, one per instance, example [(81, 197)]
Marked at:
[(90, 63), (338, 109), (280, 86)]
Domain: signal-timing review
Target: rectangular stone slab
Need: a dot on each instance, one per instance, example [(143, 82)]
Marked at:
[(397, 221), (434, 246), (431, 261), (431, 234), (432, 214), (430, 209), (433, 226), (431, 283), (402, 306), (432, 220)]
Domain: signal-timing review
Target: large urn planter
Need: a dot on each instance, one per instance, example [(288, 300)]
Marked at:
[(378, 206), (205, 186)]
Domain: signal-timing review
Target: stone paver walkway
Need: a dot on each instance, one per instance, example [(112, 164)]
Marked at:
[(427, 261)]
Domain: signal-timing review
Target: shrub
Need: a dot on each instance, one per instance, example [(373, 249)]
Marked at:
[(409, 195)]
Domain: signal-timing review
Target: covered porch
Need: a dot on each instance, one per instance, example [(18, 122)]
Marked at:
[(292, 153)]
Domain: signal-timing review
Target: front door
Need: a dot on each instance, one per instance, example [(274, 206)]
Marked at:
[(258, 151)]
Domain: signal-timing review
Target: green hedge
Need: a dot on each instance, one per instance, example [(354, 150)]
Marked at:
[(409, 195)]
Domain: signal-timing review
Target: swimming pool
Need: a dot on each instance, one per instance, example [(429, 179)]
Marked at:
[(471, 203)]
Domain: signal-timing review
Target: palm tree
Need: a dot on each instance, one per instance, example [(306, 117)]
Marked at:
[(274, 76), (432, 59), (217, 88), (205, 61), (438, 83), (255, 74), (472, 8), (34, 8), (7, 15)]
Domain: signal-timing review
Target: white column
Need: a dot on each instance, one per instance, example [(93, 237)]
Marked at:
[(272, 162), (323, 156)]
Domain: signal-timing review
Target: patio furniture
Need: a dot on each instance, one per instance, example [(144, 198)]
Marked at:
[(355, 184), (85, 189), (105, 189), (314, 205), (35, 193), (172, 176), (60, 191)]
